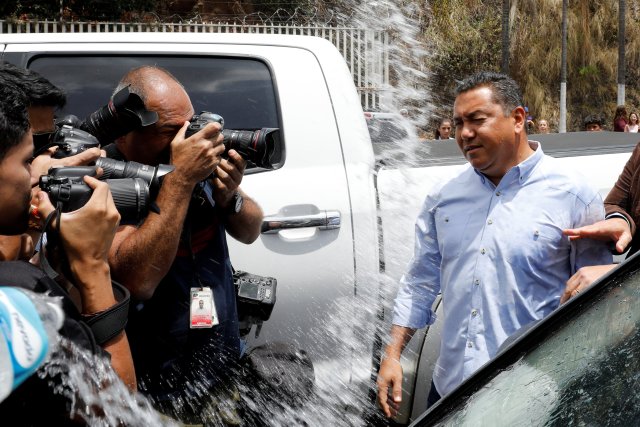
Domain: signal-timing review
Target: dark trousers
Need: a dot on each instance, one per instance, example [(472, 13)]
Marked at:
[(433, 397)]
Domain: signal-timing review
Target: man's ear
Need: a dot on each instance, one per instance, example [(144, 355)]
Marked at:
[(520, 119)]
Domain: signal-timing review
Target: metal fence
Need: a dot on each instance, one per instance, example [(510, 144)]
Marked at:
[(363, 50)]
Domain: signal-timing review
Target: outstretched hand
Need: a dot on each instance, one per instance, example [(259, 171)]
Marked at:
[(616, 230)]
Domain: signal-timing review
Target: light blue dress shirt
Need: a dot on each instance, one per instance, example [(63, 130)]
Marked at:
[(498, 256)]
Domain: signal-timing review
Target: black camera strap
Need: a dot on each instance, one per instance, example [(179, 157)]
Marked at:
[(106, 324)]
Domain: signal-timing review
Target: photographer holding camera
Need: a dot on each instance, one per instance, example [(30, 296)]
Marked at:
[(90, 296), (43, 98), (180, 254)]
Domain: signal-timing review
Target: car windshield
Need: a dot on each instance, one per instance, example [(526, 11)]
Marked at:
[(582, 369)]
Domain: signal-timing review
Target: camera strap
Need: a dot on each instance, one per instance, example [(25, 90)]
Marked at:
[(52, 241), (106, 324)]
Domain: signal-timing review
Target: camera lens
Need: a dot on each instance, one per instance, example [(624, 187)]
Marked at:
[(131, 197)]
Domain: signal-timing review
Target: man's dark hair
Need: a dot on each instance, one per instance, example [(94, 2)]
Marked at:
[(506, 91), (14, 120), (593, 119), (40, 92)]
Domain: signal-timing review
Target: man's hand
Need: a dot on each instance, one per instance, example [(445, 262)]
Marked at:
[(42, 163), (87, 233), (390, 375), (228, 178), (582, 279), (196, 157), (615, 229)]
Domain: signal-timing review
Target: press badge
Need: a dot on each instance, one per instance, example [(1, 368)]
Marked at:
[(202, 309)]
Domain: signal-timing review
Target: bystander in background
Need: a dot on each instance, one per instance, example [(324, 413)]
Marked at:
[(444, 130), (620, 119), (593, 123), (632, 124), (543, 126)]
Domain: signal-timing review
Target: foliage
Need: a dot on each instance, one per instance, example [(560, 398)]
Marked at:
[(465, 34)]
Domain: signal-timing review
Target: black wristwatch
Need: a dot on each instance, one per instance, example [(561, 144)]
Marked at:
[(236, 204)]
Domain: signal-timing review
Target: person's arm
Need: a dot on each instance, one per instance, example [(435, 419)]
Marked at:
[(620, 198), (87, 253), (245, 225), (412, 309), (141, 257), (617, 207), (390, 373)]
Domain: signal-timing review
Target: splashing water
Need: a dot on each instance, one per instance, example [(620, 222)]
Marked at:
[(98, 397)]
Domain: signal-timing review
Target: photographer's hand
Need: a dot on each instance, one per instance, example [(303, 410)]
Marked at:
[(86, 237), (228, 177), (87, 234), (197, 156), (245, 225), (41, 164)]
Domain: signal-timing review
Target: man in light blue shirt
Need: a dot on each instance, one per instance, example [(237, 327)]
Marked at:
[(490, 240)]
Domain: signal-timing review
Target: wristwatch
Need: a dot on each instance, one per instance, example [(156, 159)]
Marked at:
[(236, 204)]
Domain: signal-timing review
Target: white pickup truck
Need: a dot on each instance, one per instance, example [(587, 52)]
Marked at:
[(338, 226)]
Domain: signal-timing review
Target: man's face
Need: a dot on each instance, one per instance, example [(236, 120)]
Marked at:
[(151, 145), (15, 187), (445, 130), (594, 127), (487, 138)]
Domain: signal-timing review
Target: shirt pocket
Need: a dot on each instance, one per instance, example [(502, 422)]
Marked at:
[(538, 246), (451, 227)]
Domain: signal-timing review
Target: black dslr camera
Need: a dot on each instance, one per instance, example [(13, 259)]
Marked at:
[(255, 299), (261, 147), (133, 187), (69, 140), (124, 112), (65, 185)]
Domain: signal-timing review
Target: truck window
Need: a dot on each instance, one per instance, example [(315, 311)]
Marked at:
[(239, 89)]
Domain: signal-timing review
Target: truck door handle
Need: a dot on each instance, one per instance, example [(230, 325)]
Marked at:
[(324, 220)]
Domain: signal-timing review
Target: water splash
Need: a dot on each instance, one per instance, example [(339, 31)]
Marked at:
[(98, 397)]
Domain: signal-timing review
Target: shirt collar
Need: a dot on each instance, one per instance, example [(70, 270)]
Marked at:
[(521, 171), (526, 167)]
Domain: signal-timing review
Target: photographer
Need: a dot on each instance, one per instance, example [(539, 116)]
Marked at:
[(181, 253), (33, 402), (43, 98)]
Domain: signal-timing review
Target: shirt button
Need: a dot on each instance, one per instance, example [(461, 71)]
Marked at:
[(536, 233), (489, 222), (477, 282), (498, 193), (482, 251), (474, 313), (469, 344)]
